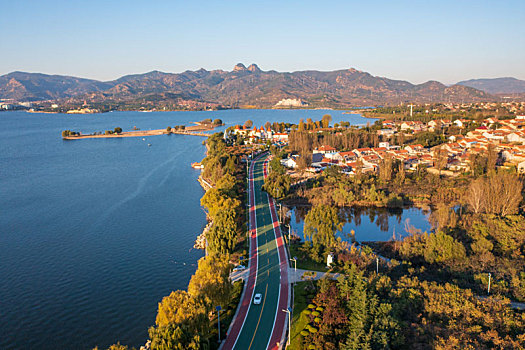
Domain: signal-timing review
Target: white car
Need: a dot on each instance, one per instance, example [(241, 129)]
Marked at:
[(239, 268), (257, 298)]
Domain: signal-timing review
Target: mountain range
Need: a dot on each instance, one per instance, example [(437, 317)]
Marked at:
[(248, 86), (498, 86)]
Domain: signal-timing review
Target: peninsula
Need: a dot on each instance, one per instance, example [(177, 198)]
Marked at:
[(199, 129)]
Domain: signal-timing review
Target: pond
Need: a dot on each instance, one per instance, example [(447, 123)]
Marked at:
[(369, 224)]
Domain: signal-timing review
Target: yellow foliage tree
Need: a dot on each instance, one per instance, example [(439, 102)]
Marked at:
[(211, 281), (181, 307)]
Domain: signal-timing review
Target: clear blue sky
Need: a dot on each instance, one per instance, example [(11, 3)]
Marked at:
[(416, 41)]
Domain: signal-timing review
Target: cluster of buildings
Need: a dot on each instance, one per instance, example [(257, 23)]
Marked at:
[(365, 159), (506, 137), (391, 127), (11, 105), (511, 106), (261, 134)]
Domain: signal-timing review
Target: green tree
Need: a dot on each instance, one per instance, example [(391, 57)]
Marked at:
[(228, 185), (276, 166), (277, 185), (222, 235), (214, 200), (320, 225), (117, 130), (442, 248)]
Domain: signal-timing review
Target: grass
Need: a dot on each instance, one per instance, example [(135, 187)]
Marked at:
[(303, 260), (298, 323)]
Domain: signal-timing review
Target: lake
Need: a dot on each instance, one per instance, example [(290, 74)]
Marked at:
[(94, 232)]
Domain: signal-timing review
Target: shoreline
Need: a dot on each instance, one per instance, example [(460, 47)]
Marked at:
[(122, 134), (196, 110)]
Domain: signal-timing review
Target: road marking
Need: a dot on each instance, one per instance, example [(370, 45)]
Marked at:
[(260, 315), (251, 199), (271, 205)]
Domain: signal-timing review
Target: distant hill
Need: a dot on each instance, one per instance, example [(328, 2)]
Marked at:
[(497, 85), (21, 86), (239, 87)]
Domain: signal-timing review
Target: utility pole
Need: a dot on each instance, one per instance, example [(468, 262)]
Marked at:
[(218, 308), (289, 311)]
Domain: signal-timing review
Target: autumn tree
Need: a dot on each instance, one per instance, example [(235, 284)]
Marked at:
[(326, 119), (210, 283), (248, 124), (302, 126), (440, 159), (498, 194), (181, 307), (503, 194), (386, 169), (475, 196)]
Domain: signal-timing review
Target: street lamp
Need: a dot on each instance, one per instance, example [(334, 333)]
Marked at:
[(289, 312), (289, 235), (218, 308), (294, 259)]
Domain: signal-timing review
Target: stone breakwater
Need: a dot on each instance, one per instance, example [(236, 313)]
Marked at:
[(200, 242)]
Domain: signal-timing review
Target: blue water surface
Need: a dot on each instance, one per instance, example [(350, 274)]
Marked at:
[(94, 232)]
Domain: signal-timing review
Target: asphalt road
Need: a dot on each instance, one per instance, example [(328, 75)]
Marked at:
[(262, 326)]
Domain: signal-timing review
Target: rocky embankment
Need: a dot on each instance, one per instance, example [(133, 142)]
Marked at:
[(200, 242)]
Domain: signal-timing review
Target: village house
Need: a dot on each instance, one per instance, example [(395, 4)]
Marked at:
[(324, 150), (290, 162)]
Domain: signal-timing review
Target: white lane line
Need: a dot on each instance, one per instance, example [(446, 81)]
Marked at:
[(279, 256), (252, 199)]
